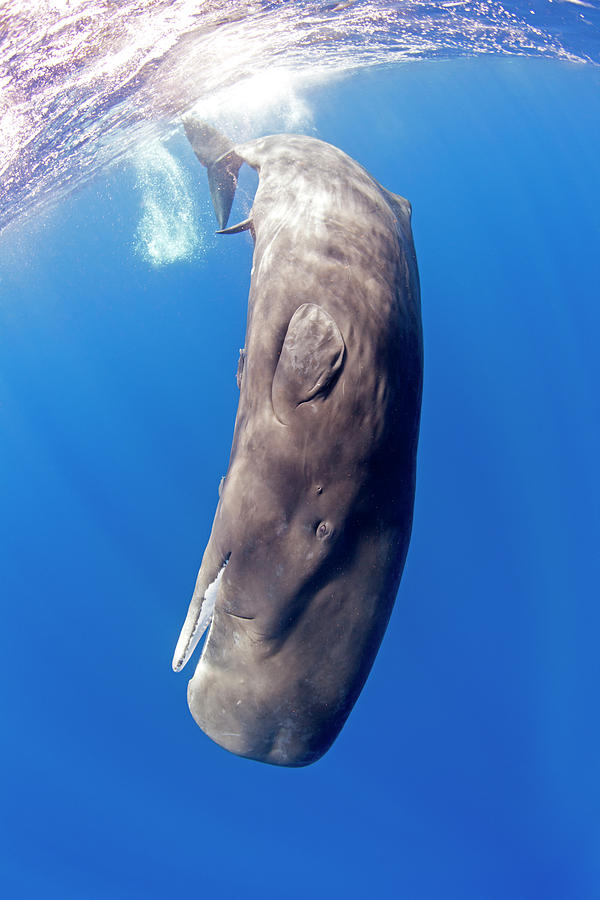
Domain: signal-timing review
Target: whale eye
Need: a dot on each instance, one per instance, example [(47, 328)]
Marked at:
[(323, 530), (310, 360)]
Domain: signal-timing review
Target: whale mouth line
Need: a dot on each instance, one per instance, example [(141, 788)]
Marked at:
[(238, 616)]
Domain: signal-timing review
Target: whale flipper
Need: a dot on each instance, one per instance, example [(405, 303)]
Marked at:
[(309, 362)]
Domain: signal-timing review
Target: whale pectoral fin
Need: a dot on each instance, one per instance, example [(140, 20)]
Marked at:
[(310, 360)]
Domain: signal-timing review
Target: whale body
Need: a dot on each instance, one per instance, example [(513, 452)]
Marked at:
[(313, 522)]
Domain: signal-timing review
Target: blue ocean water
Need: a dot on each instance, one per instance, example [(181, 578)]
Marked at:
[(469, 767)]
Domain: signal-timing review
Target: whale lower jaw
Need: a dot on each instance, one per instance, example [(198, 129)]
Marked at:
[(199, 618)]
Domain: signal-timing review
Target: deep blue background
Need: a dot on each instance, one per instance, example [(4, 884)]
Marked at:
[(470, 765)]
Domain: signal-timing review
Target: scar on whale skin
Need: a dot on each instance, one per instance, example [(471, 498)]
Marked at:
[(313, 521)]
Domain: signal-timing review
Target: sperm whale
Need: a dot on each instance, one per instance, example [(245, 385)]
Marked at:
[(314, 516)]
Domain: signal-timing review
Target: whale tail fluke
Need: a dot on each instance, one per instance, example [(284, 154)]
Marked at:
[(216, 153)]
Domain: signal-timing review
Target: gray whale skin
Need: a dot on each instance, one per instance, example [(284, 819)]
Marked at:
[(313, 522)]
